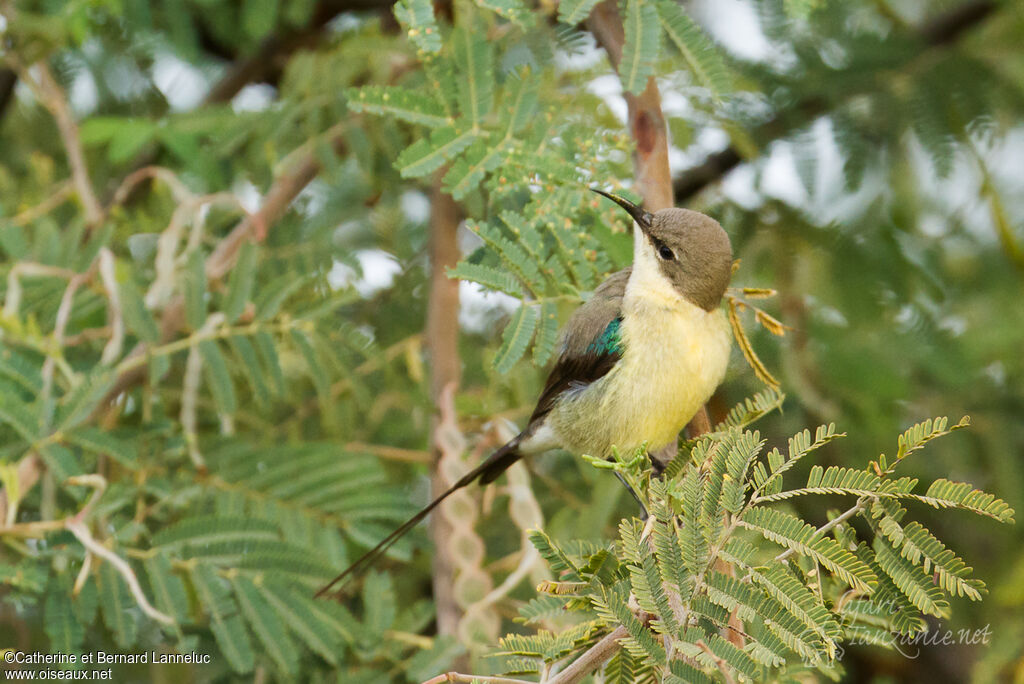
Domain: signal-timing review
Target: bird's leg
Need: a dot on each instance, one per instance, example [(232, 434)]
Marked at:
[(635, 495), (662, 457)]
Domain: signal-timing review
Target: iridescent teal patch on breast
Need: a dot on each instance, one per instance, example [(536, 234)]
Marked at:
[(610, 341)]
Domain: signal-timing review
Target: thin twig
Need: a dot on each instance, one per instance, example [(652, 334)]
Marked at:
[(12, 300), (720, 663), (83, 535), (52, 96), (63, 317), (178, 189), (83, 574), (115, 316), (483, 679), (87, 335), (824, 529), (134, 362), (27, 473), (190, 391), (592, 658), (58, 197), (37, 528), (389, 453)]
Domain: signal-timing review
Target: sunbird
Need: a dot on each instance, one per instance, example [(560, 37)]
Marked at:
[(635, 362)]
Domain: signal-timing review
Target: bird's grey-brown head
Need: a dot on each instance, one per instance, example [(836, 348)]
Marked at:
[(692, 250)]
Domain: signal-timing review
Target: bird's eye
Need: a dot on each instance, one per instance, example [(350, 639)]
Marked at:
[(666, 253)]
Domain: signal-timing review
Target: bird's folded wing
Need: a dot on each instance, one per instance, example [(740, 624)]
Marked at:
[(591, 343)]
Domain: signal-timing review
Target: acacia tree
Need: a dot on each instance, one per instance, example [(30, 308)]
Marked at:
[(209, 408)]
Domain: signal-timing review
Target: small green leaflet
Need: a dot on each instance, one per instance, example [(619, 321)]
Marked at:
[(78, 404), (61, 625), (217, 376), (240, 284), (427, 155), (200, 530), (125, 136), (379, 603), (20, 370), (469, 170), (523, 95), (307, 626), (117, 606), (168, 589), (403, 104), (701, 55), (474, 60), (516, 337), (61, 461), (253, 371), (489, 277), (268, 354), (102, 442), (136, 316), (225, 623), (547, 334), (316, 366), (266, 625), (572, 12), (643, 38), (417, 17), (195, 290), (18, 415), (513, 10)]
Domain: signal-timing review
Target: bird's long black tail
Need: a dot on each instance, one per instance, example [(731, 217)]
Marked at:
[(488, 471)]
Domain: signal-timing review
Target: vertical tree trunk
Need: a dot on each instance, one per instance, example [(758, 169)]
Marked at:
[(442, 329)]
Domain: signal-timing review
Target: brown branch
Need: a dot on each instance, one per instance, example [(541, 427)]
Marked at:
[(592, 658), (389, 453), (943, 30), (720, 663), (441, 340), (646, 121), (948, 27), (483, 679)]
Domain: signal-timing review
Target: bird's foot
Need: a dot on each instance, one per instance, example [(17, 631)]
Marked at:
[(636, 496)]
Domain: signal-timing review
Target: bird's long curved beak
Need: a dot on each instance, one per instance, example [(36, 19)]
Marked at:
[(642, 218)]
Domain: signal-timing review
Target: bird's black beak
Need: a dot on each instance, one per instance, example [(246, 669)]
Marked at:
[(642, 218)]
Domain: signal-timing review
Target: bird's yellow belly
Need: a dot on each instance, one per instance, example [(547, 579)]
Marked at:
[(671, 364)]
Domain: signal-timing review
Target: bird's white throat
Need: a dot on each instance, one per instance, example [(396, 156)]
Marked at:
[(647, 280)]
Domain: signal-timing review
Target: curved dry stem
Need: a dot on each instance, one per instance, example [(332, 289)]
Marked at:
[(83, 535)]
